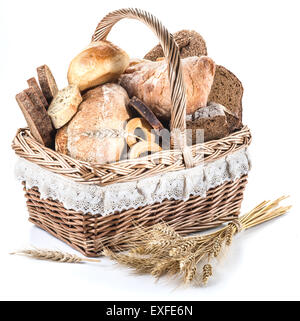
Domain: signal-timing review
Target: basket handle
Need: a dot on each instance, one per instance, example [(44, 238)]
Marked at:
[(171, 52)]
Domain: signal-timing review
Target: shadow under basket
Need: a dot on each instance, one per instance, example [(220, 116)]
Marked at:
[(89, 233)]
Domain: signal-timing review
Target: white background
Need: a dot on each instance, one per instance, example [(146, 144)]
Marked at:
[(259, 42)]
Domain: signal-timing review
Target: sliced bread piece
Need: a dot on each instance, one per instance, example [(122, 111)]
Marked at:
[(211, 119), (64, 106), (190, 44), (37, 119), (34, 97), (227, 90), (47, 82), (33, 84), (146, 113)]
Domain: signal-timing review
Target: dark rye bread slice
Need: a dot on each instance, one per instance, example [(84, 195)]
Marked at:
[(190, 44), (227, 90), (33, 84), (34, 97), (146, 113), (211, 119), (47, 82), (37, 119)]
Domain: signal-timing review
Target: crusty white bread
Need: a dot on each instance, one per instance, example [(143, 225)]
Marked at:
[(64, 105), (149, 82), (99, 63), (94, 134)]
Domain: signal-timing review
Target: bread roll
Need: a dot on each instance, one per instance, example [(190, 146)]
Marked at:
[(149, 82), (99, 63), (94, 134), (64, 105)]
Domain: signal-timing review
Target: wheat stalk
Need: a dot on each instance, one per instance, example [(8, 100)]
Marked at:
[(160, 250), (56, 256)]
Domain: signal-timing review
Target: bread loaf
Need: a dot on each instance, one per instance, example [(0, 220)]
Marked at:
[(189, 42), (99, 63), (96, 133), (149, 82), (47, 82), (227, 90), (211, 119), (64, 106)]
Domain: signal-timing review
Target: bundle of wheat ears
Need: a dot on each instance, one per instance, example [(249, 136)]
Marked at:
[(159, 250)]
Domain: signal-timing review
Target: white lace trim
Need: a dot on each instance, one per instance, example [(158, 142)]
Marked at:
[(179, 185)]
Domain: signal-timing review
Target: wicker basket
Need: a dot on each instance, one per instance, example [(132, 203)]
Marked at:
[(89, 233)]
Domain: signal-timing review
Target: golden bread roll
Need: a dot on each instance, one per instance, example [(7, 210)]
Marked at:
[(99, 63)]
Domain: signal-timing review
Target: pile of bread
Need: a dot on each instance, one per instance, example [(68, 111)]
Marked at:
[(114, 105)]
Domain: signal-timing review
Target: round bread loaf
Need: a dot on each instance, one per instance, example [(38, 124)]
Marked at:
[(95, 133), (99, 63)]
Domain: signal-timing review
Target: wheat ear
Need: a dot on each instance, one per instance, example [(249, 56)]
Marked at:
[(56, 256)]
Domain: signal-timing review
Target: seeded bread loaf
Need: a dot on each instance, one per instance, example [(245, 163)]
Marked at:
[(190, 44), (47, 82), (64, 106), (211, 119), (149, 82), (227, 90), (96, 133), (36, 117)]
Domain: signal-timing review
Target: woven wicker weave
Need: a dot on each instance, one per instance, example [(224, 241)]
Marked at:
[(88, 233)]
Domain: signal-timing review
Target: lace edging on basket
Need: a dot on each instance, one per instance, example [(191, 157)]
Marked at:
[(105, 200)]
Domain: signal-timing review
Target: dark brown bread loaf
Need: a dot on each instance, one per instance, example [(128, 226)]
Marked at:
[(47, 82), (33, 83), (211, 119), (227, 90), (37, 119), (190, 44)]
